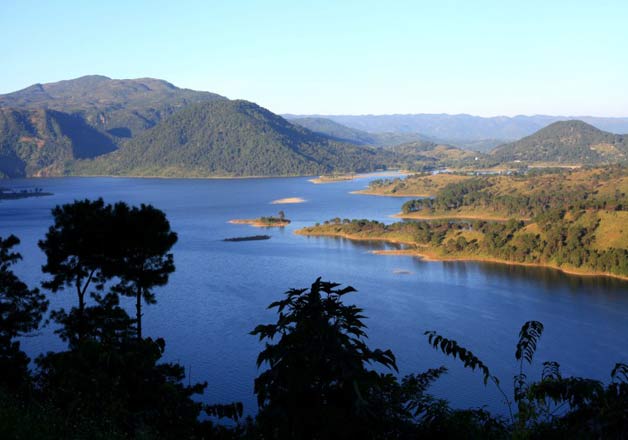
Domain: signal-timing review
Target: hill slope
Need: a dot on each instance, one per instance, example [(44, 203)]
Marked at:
[(120, 107), (40, 142), (352, 135), (232, 138), (568, 142)]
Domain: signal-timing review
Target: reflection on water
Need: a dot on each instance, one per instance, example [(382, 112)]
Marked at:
[(548, 278)]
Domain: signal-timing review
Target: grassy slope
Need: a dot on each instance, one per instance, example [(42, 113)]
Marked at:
[(593, 181)]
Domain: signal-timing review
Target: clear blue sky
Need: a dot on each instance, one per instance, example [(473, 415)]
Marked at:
[(337, 57)]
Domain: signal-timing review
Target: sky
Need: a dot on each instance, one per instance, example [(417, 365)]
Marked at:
[(479, 57)]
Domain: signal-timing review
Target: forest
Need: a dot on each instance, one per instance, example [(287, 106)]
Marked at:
[(318, 377)]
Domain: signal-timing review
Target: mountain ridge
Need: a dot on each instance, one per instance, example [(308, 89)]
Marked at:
[(464, 129)]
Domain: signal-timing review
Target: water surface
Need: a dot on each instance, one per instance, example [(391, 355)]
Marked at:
[(221, 289)]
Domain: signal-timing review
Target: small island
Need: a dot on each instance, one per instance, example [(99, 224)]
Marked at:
[(248, 238), (12, 194), (278, 221), (331, 178)]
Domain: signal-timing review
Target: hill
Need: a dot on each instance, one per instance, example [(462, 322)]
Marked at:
[(120, 107), (40, 142), (232, 138), (566, 142), (358, 137)]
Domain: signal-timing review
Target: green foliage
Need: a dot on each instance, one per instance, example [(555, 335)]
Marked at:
[(451, 348), (21, 310), (233, 138), (317, 381), (123, 382), (555, 406), (570, 142), (142, 260)]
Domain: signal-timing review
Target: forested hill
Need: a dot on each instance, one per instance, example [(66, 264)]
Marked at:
[(232, 138), (40, 142), (567, 142), (120, 107)]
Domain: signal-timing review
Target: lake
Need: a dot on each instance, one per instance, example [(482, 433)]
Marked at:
[(220, 290)]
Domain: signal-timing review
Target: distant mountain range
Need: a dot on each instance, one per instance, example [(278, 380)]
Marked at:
[(472, 132), (95, 125), (358, 137), (566, 142)]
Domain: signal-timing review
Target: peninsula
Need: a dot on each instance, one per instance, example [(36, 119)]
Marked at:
[(512, 242), (568, 219)]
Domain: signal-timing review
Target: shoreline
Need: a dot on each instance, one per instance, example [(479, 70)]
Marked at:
[(365, 192), (416, 251), (215, 177), (403, 216), (348, 177)]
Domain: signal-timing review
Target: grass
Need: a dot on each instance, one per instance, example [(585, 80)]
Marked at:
[(612, 230)]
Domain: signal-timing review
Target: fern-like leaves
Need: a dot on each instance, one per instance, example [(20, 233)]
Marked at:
[(452, 348), (529, 337), (620, 373)]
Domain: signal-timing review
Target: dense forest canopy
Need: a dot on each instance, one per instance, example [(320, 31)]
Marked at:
[(232, 138)]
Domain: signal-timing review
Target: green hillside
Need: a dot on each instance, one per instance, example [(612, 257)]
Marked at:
[(232, 138), (40, 142), (566, 142)]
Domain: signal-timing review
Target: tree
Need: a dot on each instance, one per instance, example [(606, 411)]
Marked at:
[(21, 310), (77, 247), (141, 261), (91, 243), (317, 383)]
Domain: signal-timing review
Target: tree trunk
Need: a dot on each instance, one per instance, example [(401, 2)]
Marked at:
[(138, 313)]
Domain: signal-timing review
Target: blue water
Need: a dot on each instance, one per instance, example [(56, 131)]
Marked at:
[(220, 290)]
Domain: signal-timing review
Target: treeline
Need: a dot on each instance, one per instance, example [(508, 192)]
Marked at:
[(319, 379), (560, 241)]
